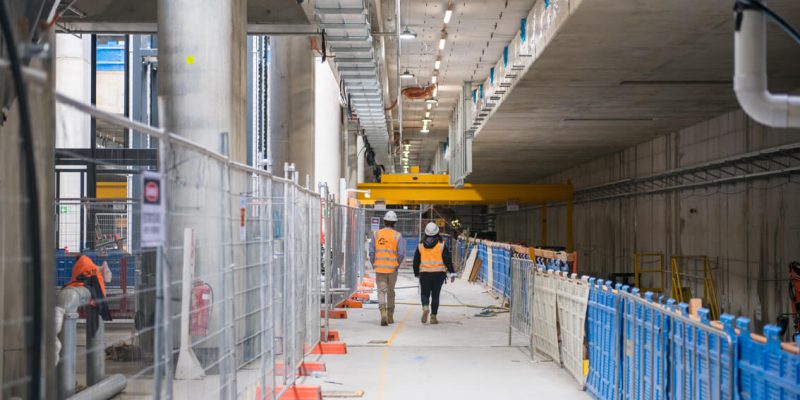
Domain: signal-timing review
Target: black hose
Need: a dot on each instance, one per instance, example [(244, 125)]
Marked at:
[(35, 281), (741, 5)]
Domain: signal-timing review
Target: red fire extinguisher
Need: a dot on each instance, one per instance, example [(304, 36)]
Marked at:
[(202, 300)]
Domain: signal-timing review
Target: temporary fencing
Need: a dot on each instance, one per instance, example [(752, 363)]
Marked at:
[(545, 325), (521, 291), (230, 291), (640, 346), (345, 253), (572, 299)]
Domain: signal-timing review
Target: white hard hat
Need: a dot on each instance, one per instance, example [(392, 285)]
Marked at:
[(390, 216), (431, 229)]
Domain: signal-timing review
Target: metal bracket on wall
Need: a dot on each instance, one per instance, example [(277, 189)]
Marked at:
[(761, 164)]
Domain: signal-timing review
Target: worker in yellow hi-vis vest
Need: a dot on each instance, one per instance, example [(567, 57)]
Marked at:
[(386, 253), (432, 263)]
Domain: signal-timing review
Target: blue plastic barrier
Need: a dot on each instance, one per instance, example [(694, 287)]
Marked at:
[(115, 259), (766, 372), (603, 336)]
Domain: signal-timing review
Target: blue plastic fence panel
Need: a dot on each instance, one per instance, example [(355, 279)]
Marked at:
[(507, 281), (702, 363), (603, 325), (484, 264), (411, 247), (115, 259), (766, 372), (646, 329)]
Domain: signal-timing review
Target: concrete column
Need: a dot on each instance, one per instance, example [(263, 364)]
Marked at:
[(291, 104), (202, 71), (202, 91)]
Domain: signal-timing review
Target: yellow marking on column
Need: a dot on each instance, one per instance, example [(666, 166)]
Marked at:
[(190, 60)]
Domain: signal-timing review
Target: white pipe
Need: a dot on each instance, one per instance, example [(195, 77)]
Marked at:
[(750, 78), (105, 389)]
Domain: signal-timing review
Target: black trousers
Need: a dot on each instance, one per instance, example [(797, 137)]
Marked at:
[(430, 285)]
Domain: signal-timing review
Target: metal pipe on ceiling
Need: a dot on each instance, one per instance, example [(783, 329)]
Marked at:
[(399, 80)]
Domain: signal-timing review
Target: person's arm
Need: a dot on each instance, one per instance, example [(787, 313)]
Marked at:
[(416, 263), (448, 259), (372, 250), (401, 250)]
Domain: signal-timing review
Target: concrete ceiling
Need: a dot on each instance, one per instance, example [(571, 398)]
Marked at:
[(476, 35), (140, 15), (619, 73)]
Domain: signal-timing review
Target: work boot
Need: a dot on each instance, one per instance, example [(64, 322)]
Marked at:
[(425, 311), (434, 321), (390, 316), (384, 318)]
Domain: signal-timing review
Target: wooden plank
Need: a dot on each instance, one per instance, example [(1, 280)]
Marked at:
[(473, 277), (341, 394), (470, 264)]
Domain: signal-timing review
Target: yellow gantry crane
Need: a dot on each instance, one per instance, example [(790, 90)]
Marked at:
[(415, 188)]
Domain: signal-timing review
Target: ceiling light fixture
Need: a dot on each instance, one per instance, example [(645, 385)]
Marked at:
[(407, 74), (448, 14), (427, 121), (424, 130), (437, 64), (427, 114), (429, 106), (442, 40), (408, 34), (431, 101), (434, 79), (436, 91)]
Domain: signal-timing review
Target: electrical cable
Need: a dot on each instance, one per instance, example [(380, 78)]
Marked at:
[(742, 5), (26, 135)]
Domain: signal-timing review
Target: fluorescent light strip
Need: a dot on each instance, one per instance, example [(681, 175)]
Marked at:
[(447, 15)]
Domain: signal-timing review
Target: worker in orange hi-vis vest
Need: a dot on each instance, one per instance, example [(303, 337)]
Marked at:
[(386, 253), (432, 262)]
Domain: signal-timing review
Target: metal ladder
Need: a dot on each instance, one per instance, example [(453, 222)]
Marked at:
[(709, 287)]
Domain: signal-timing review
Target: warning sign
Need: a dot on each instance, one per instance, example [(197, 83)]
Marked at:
[(153, 207), (376, 224)]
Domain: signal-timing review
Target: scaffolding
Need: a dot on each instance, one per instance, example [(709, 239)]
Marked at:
[(641, 263)]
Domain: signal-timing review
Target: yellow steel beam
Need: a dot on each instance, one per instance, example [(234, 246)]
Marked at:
[(415, 178), (438, 193)]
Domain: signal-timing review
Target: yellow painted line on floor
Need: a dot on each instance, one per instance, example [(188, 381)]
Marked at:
[(385, 355)]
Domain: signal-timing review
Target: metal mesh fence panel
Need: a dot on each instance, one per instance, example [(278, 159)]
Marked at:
[(228, 306)]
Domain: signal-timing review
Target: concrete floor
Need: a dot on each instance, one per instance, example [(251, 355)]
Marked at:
[(464, 357)]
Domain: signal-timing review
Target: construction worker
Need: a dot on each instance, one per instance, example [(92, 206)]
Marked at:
[(432, 262), (386, 253)]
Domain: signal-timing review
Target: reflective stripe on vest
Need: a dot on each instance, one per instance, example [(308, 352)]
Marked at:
[(386, 242), (431, 260)]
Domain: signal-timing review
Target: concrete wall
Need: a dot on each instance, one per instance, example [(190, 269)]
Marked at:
[(15, 264), (750, 230)]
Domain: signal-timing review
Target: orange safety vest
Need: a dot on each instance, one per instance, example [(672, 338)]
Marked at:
[(386, 241), (431, 260), (84, 266)]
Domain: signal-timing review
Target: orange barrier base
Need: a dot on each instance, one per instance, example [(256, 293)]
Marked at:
[(350, 304), (360, 296), (295, 392), (334, 314), (305, 369), (330, 348), (333, 336)]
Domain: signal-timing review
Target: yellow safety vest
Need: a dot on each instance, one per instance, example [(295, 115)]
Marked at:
[(386, 241), (431, 260)]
